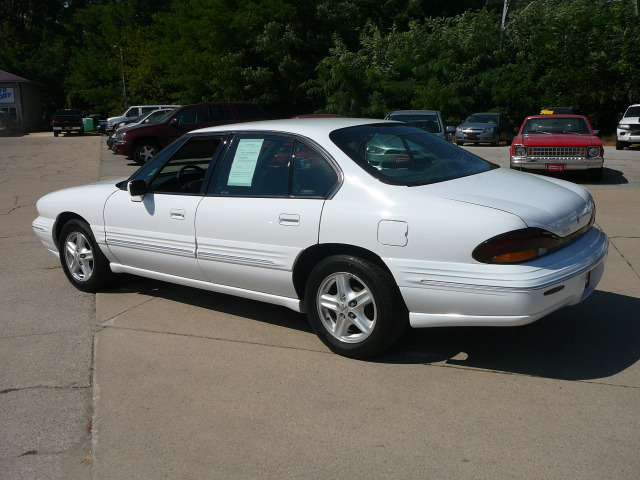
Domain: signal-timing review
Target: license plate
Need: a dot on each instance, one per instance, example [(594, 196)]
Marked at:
[(66, 128), (555, 167)]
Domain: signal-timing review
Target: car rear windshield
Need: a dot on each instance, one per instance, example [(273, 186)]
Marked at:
[(405, 155), (250, 111), (556, 124)]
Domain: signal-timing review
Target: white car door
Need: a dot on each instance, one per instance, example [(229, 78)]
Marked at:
[(156, 231), (262, 211)]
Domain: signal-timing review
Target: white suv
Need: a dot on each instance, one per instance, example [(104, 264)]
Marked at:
[(628, 130)]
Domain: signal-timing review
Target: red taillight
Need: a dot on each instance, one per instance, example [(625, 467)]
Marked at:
[(516, 246)]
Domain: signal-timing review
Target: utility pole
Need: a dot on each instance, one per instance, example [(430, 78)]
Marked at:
[(508, 6)]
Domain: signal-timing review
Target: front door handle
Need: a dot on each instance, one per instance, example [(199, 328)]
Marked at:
[(289, 219), (177, 214)]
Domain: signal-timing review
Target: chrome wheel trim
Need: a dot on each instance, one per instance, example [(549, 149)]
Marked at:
[(346, 307), (78, 256)]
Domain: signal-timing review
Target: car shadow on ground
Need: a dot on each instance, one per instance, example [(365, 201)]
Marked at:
[(610, 176), (595, 339), (583, 342), (218, 302)]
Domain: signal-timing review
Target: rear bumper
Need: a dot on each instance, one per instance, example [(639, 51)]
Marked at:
[(69, 128), (501, 295)]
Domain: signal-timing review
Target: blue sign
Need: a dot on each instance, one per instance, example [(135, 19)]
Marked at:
[(6, 95)]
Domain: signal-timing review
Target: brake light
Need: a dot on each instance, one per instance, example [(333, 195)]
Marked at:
[(525, 244), (516, 246)]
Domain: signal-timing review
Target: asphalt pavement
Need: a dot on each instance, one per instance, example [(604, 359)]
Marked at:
[(150, 380)]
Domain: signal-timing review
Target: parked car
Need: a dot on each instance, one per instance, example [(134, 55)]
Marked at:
[(132, 112), (67, 121), (146, 119), (557, 111), (558, 143), (490, 128), (291, 212), (428, 120), (7, 127), (628, 130), (144, 141)]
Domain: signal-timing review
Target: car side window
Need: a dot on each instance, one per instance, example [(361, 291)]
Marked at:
[(256, 166), (313, 176), (184, 172), (190, 115), (219, 113)]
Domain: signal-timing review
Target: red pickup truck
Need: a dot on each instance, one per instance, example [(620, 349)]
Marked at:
[(558, 143), (144, 141)]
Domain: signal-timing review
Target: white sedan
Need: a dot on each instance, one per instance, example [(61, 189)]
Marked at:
[(302, 213)]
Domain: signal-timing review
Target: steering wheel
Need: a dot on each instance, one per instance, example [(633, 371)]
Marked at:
[(180, 177)]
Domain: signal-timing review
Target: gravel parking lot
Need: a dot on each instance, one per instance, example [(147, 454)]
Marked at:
[(151, 380)]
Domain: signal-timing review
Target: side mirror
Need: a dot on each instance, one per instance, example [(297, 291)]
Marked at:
[(451, 129), (597, 133), (137, 189), (174, 122)]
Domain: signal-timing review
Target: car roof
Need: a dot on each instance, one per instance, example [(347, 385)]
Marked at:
[(308, 127)]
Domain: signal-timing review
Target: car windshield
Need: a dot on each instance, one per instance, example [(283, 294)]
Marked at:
[(633, 112), (404, 155), (155, 117), (483, 118), (556, 124), (427, 122)]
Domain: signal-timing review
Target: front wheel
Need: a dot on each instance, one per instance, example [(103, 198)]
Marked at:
[(55, 134), (83, 262), (144, 151), (354, 306), (620, 145)]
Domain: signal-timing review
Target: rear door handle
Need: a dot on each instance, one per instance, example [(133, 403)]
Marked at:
[(289, 219), (177, 214)]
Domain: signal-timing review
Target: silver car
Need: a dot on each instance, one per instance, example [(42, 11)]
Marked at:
[(490, 128)]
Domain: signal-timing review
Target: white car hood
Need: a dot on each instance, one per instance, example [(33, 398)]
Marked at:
[(554, 205), (629, 120)]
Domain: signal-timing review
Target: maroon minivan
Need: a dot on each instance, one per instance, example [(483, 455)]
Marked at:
[(144, 141)]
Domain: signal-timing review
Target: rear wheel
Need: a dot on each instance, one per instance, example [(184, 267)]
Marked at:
[(459, 143), (55, 134), (354, 306), (83, 262)]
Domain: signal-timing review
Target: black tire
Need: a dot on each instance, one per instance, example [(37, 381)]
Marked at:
[(55, 134), (83, 262), (368, 328), (144, 151), (459, 143), (595, 174), (496, 140), (81, 132), (509, 140), (620, 145)]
